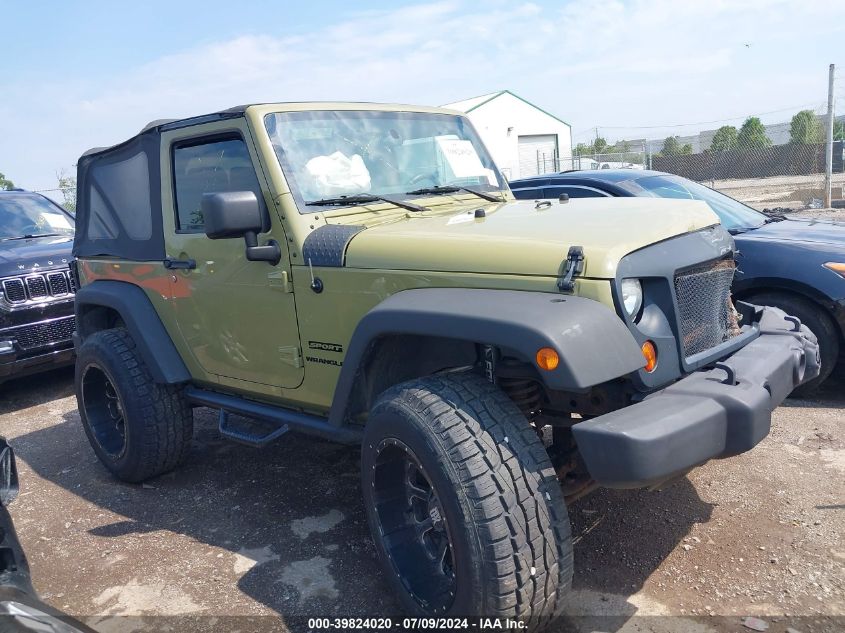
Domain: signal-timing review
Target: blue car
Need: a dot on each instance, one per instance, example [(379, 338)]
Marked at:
[(795, 264)]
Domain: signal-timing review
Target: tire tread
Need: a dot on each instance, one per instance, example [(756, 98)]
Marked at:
[(165, 417), (506, 474)]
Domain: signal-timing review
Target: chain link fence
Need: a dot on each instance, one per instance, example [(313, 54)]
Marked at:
[(551, 163), (787, 176)]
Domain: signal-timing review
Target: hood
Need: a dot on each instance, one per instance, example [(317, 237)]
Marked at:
[(18, 257), (829, 232), (517, 238)]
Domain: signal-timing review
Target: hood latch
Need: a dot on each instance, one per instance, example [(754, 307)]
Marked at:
[(574, 267)]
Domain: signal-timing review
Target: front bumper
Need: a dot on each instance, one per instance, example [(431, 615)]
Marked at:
[(37, 344), (716, 412), (13, 366)]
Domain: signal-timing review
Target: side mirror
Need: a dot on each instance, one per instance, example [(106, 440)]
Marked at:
[(238, 214), (8, 474)]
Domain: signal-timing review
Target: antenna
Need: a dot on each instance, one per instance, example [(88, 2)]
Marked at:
[(316, 282)]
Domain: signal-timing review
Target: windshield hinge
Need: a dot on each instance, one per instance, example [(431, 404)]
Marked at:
[(279, 279), (574, 267), (291, 355)]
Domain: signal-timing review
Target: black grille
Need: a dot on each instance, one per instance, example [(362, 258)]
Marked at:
[(705, 312), (36, 287), (58, 283), (40, 334), (14, 290)]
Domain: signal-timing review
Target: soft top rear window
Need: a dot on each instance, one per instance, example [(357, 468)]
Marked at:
[(119, 206)]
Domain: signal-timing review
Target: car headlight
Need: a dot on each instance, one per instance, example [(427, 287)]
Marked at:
[(632, 296), (836, 267)]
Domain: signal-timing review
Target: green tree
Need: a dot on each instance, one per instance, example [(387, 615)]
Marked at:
[(5, 184), (67, 185), (621, 147), (686, 149), (805, 129), (599, 145), (596, 147), (839, 130), (671, 146), (752, 135), (724, 139)]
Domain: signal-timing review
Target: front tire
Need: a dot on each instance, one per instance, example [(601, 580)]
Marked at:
[(137, 427), (463, 503), (815, 318)]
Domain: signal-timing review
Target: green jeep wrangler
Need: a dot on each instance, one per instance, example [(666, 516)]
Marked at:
[(362, 273)]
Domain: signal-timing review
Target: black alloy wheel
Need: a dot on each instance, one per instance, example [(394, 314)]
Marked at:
[(104, 410), (414, 526)]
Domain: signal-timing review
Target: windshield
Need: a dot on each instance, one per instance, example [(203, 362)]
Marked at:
[(330, 154), (25, 215), (733, 214)]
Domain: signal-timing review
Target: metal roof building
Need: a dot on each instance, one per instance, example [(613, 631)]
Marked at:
[(524, 139)]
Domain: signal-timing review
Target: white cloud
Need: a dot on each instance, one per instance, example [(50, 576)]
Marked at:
[(609, 62)]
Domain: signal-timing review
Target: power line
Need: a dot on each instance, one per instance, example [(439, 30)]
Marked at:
[(591, 130)]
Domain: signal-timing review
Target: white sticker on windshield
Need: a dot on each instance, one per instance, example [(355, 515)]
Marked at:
[(55, 221), (462, 158)]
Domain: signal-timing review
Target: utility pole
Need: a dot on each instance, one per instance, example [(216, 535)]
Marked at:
[(828, 153)]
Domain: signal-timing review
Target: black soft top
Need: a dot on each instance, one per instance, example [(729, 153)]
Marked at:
[(118, 209)]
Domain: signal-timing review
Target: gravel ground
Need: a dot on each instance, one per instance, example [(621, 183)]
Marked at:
[(821, 214), (788, 191), (281, 532)]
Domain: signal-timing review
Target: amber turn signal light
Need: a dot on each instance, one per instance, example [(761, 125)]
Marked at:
[(836, 267), (547, 358), (650, 354)]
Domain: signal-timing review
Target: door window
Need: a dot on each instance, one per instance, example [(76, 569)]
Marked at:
[(209, 167)]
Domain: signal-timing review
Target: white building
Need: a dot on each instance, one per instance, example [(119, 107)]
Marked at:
[(524, 140)]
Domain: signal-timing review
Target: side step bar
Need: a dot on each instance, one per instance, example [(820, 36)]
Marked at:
[(284, 419), (245, 437)]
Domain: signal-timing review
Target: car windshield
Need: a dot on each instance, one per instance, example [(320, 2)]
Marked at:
[(734, 215), (327, 155), (28, 215)]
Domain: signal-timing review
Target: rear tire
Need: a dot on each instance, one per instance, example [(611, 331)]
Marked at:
[(481, 481), (137, 427), (815, 318)]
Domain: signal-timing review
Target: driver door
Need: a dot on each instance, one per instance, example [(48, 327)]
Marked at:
[(237, 318)]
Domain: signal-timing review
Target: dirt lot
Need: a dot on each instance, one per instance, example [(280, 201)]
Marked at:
[(281, 532), (778, 191)]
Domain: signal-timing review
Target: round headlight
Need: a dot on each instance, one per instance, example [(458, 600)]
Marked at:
[(632, 296)]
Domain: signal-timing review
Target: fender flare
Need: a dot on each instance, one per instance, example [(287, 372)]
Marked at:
[(593, 342), (137, 311)]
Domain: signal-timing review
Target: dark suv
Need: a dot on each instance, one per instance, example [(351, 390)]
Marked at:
[(36, 289)]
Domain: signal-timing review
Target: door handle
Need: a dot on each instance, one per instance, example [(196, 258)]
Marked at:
[(180, 264)]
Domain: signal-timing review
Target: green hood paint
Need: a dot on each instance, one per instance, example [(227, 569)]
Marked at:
[(519, 239)]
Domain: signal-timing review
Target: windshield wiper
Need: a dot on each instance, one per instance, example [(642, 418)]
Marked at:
[(364, 198), (441, 189), (29, 237)]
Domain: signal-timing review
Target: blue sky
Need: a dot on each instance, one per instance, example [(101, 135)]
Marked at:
[(83, 74)]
